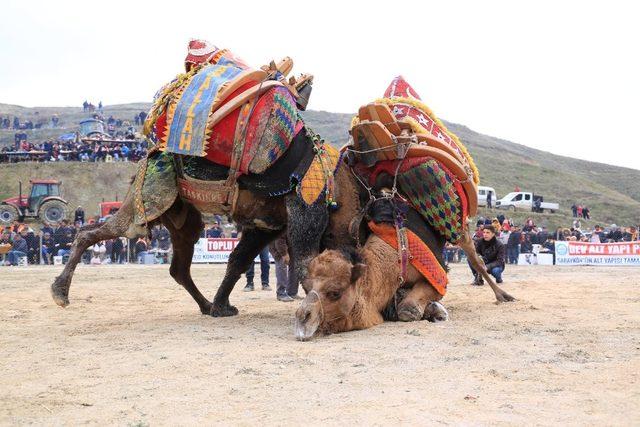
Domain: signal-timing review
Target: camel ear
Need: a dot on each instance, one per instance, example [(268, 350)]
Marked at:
[(357, 271)]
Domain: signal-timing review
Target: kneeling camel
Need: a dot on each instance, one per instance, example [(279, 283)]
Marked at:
[(350, 291)]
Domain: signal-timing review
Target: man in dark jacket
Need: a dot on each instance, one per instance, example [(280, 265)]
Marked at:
[(492, 252), (63, 242), (19, 249), (79, 216), (513, 245)]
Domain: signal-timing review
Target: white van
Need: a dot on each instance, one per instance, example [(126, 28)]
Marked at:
[(521, 200), (482, 196)]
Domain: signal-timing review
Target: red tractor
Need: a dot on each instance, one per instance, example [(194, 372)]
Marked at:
[(44, 202)]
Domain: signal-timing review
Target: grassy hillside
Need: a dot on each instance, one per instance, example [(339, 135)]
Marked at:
[(85, 184), (612, 193)]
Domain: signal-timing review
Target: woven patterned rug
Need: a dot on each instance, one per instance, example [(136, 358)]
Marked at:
[(155, 187), (422, 258)]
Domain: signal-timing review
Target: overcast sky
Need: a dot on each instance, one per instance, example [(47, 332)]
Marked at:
[(560, 76)]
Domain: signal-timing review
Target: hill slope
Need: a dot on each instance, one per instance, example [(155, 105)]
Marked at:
[(612, 192)]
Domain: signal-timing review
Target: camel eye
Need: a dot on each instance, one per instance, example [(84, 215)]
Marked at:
[(333, 295)]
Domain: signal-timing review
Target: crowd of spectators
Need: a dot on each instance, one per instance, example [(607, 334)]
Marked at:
[(72, 147), (21, 243), (76, 150), (520, 239), (16, 123)]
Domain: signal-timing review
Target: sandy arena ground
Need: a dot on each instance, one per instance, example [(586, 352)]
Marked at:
[(132, 349)]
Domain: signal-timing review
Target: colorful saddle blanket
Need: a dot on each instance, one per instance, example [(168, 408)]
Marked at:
[(422, 258), (429, 187), (186, 117), (398, 136)]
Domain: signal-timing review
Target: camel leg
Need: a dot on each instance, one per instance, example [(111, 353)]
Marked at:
[(250, 245), (413, 305), (116, 226), (183, 240), (466, 244)]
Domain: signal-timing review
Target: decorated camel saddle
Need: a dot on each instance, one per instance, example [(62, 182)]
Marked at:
[(399, 145), (222, 112), (398, 136)]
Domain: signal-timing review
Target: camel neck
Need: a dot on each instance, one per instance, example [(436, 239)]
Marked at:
[(377, 286)]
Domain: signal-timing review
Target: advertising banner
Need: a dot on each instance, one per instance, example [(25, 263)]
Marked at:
[(208, 250), (579, 253)]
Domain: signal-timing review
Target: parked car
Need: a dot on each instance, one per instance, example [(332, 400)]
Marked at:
[(482, 196), (521, 200)]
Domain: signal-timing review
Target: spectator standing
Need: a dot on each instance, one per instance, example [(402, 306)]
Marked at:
[(79, 216), (513, 245), (264, 272), (286, 290), (117, 251), (141, 249), (526, 247), (279, 251), (33, 243), (162, 237), (576, 224), (543, 235), (489, 199), (215, 231), (528, 225)]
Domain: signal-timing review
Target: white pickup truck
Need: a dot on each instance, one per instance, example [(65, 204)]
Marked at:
[(520, 200)]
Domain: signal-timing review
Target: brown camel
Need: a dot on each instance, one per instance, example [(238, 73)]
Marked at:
[(263, 219), (350, 292)]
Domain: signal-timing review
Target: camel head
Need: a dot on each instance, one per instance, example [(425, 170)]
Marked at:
[(332, 294)]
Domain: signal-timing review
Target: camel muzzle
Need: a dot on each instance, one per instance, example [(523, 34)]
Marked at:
[(308, 317)]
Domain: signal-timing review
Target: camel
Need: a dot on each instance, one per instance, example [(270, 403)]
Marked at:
[(309, 229), (350, 290)]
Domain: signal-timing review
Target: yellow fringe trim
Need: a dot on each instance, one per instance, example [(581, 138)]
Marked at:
[(354, 121), (420, 129)]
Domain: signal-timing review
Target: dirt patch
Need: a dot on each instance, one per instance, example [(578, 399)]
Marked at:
[(132, 349)]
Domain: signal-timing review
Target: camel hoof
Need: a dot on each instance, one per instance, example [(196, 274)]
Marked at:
[(435, 312), (504, 297), (58, 293), (206, 310), (409, 313), (223, 311), (61, 301)]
